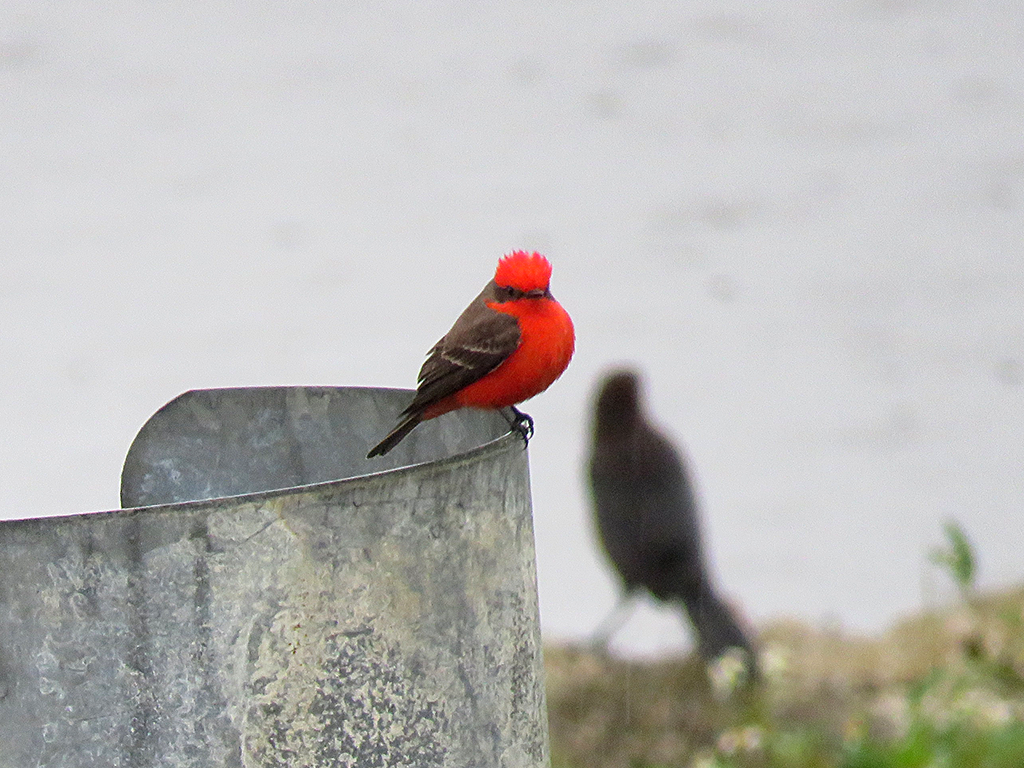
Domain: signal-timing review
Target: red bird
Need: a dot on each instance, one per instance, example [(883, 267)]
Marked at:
[(510, 344)]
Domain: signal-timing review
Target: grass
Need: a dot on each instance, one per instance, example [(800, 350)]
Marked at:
[(944, 689)]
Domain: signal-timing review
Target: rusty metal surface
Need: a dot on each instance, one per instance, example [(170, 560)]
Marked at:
[(380, 620)]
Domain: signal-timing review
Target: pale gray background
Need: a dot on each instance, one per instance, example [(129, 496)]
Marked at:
[(803, 220)]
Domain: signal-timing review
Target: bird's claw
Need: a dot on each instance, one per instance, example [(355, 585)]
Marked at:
[(522, 423)]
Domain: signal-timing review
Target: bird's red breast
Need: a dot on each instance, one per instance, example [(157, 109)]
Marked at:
[(546, 346)]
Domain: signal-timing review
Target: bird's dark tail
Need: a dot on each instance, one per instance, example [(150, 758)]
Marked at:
[(717, 627), (395, 436)]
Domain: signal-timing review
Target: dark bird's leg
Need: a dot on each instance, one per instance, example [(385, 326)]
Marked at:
[(521, 423), (612, 623)]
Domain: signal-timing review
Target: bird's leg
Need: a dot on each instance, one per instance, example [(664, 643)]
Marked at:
[(612, 623), (521, 423)]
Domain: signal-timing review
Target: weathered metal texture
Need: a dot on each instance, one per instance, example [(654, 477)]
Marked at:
[(211, 443), (381, 620)]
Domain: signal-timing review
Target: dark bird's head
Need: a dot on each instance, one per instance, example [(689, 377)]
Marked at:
[(618, 401)]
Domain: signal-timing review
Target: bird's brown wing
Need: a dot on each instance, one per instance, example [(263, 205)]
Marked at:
[(479, 342)]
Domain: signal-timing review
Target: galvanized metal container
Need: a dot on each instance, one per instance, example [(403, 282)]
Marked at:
[(272, 598)]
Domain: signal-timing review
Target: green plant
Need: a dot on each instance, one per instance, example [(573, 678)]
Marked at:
[(957, 558)]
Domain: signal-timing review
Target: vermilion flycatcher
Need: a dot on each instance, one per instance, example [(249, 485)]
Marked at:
[(510, 344), (647, 517)]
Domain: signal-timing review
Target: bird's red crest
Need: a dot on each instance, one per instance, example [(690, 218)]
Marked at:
[(522, 270)]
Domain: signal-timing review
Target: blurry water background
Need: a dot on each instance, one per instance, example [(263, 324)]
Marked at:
[(803, 221)]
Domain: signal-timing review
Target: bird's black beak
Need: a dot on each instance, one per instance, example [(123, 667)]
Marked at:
[(538, 293)]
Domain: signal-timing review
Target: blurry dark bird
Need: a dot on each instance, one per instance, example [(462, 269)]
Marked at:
[(647, 519)]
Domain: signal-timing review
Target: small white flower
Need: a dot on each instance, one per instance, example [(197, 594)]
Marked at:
[(751, 738), (776, 661), (728, 672), (728, 742)]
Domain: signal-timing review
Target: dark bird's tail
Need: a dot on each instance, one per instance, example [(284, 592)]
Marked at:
[(716, 626), (396, 435)]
